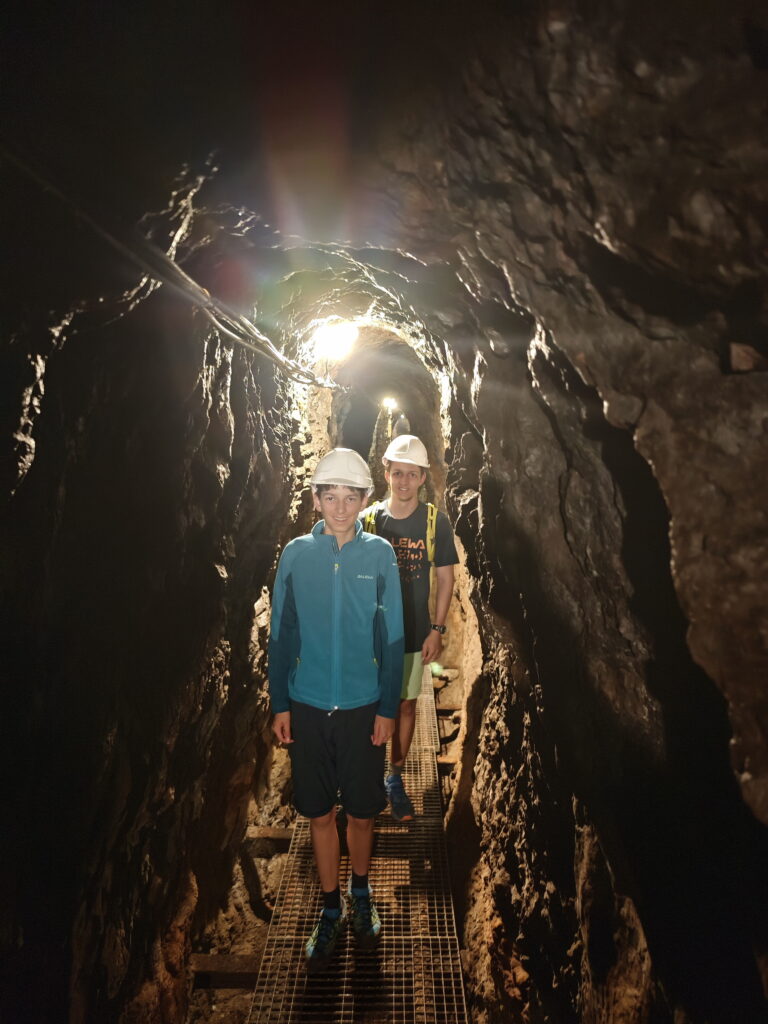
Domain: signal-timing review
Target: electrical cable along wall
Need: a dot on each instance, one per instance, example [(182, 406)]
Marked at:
[(161, 268)]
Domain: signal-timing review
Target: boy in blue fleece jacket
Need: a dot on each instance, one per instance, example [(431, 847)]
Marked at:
[(335, 670)]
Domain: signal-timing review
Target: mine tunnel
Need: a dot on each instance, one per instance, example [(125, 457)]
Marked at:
[(543, 230)]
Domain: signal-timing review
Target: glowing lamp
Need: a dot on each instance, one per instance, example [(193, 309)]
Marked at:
[(334, 340), (390, 404)]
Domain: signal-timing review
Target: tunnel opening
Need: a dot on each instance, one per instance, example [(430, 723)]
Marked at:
[(384, 366), (357, 428)]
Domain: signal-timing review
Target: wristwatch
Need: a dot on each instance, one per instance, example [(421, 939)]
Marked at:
[(440, 629)]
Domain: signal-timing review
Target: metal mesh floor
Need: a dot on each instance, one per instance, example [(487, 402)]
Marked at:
[(414, 975)]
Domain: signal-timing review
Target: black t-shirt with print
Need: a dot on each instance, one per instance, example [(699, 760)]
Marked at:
[(409, 539)]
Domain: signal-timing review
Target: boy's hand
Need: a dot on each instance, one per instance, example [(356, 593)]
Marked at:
[(431, 648), (281, 727), (383, 729)]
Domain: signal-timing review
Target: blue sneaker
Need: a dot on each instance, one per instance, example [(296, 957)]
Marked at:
[(402, 808), (366, 923), (322, 942)]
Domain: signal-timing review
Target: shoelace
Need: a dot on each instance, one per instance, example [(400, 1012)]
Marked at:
[(363, 911), (327, 925)]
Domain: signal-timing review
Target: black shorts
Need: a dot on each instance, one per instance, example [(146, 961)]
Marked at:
[(332, 758)]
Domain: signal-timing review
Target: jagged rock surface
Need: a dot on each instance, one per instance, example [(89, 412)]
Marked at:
[(594, 193), (141, 534)]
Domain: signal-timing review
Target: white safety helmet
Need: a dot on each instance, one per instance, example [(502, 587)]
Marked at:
[(406, 448), (343, 467)]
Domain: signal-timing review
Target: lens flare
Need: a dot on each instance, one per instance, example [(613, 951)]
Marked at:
[(334, 340)]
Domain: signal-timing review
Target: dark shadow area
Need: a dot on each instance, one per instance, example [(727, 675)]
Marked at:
[(113, 612), (628, 288), (756, 43), (371, 988), (676, 833), (500, 559), (359, 422)]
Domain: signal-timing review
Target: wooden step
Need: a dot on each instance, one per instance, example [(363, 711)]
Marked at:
[(265, 841), (214, 970)]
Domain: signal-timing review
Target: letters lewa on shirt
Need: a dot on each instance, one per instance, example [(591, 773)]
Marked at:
[(411, 554)]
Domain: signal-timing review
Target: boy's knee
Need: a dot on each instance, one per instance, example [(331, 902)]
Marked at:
[(324, 820), (362, 823)]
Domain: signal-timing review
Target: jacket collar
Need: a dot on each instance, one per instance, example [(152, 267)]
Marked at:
[(317, 530)]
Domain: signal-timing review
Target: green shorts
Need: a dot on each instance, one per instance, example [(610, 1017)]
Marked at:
[(413, 670)]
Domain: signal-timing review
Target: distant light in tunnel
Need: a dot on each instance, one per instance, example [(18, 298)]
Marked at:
[(390, 404), (334, 340)]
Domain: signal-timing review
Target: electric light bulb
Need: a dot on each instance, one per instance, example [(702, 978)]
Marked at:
[(334, 340)]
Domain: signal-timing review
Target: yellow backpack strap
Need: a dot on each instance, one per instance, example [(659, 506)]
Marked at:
[(369, 523), (431, 531)]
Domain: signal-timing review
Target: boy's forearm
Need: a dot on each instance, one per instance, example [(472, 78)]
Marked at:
[(281, 641), (391, 685), (277, 672), (278, 698), (277, 675), (282, 657), (444, 593), (393, 643), (392, 674)]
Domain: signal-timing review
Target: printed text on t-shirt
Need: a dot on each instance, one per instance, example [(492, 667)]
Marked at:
[(410, 553)]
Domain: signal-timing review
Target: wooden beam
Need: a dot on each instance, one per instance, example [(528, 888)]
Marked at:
[(267, 832), (224, 971), (265, 841)]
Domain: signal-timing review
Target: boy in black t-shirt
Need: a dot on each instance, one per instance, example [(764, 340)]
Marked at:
[(413, 529)]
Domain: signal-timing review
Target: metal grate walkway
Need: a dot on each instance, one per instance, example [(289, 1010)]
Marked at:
[(414, 975)]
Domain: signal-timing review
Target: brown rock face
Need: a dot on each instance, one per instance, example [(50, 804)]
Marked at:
[(131, 546), (611, 433), (561, 212)]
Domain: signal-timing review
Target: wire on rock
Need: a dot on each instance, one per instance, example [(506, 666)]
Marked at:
[(160, 267)]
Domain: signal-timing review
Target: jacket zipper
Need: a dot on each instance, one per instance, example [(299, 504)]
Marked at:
[(336, 627)]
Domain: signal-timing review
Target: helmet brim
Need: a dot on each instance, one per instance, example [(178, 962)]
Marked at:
[(406, 462), (338, 482)]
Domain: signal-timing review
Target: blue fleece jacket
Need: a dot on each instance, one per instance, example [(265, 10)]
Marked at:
[(336, 638)]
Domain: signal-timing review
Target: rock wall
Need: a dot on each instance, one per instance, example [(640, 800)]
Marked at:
[(153, 488), (590, 178)]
